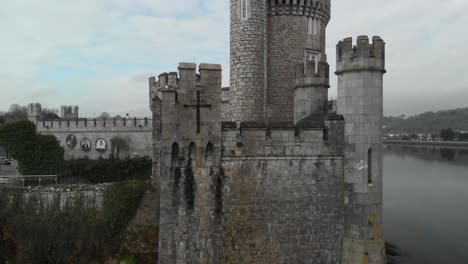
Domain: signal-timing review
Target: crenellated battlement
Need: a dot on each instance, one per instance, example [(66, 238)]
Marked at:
[(312, 74), (188, 76), (319, 9), (362, 56), (69, 112), (251, 139), (95, 124)]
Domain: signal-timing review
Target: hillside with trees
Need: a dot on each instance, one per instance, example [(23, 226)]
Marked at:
[(429, 122)]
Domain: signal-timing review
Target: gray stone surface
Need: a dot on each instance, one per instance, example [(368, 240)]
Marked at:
[(137, 132), (360, 70)]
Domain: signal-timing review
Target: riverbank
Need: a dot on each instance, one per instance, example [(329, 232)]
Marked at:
[(440, 144)]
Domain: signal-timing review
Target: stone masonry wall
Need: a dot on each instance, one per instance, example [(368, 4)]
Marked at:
[(282, 195), (360, 70), (50, 197), (136, 132), (282, 210), (288, 41), (248, 47)]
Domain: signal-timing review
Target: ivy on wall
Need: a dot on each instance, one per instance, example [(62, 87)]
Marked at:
[(74, 234), (36, 154)]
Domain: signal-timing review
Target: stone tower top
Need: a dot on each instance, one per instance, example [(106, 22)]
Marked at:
[(34, 112), (311, 8), (362, 56), (69, 112)]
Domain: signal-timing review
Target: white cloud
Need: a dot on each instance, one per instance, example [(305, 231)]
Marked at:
[(112, 46)]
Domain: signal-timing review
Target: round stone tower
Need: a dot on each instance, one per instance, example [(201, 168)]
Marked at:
[(360, 69), (248, 53), (295, 35)]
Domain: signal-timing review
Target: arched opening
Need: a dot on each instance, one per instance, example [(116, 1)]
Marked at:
[(175, 155), (209, 155), (175, 173), (189, 183), (369, 166)]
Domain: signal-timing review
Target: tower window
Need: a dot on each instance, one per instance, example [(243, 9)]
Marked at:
[(311, 55), (313, 26), (316, 27), (245, 9)]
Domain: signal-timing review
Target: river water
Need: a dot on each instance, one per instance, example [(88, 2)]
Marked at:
[(426, 204)]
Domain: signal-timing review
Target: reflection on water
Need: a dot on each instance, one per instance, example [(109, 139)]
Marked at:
[(426, 203)]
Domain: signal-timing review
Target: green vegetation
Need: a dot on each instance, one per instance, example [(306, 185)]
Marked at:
[(119, 145), (74, 234), (20, 113), (41, 155), (428, 123), (109, 170), (36, 154)]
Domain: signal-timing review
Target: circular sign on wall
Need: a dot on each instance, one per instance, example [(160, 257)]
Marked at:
[(101, 145), (70, 141), (85, 144)]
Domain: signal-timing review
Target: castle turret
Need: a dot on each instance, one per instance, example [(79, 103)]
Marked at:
[(34, 112), (296, 35), (311, 90), (248, 58), (360, 71), (69, 112), (189, 149)]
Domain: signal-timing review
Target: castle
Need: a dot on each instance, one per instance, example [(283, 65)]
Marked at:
[(269, 170), (95, 138)]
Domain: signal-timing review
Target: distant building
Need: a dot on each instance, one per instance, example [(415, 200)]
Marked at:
[(93, 138)]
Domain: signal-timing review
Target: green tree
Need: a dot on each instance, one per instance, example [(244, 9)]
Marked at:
[(447, 134), (119, 145), (36, 154)]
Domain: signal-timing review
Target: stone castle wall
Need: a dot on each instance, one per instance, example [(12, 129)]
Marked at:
[(288, 42), (360, 70), (137, 132), (248, 54), (282, 194)]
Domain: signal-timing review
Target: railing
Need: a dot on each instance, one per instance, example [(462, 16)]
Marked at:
[(8, 180)]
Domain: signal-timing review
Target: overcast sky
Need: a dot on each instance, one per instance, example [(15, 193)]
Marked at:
[(98, 54)]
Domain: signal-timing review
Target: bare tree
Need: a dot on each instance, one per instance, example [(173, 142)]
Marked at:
[(16, 113), (49, 114)]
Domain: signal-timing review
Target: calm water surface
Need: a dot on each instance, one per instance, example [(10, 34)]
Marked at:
[(426, 204)]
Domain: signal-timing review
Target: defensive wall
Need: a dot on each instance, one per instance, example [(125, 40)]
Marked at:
[(46, 198), (135, 132), (283, 179), (251, 181)]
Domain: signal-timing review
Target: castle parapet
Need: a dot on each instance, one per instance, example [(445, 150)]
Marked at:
[(95, 124), (319, 9), (362, 56), (311, 90), (283, 140), (310, 73)]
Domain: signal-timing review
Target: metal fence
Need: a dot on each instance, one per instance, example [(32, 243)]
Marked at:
[(21, 180)]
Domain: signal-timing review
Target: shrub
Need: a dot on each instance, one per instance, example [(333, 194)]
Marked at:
[(36, 154), (110, 170), (74, 234)]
